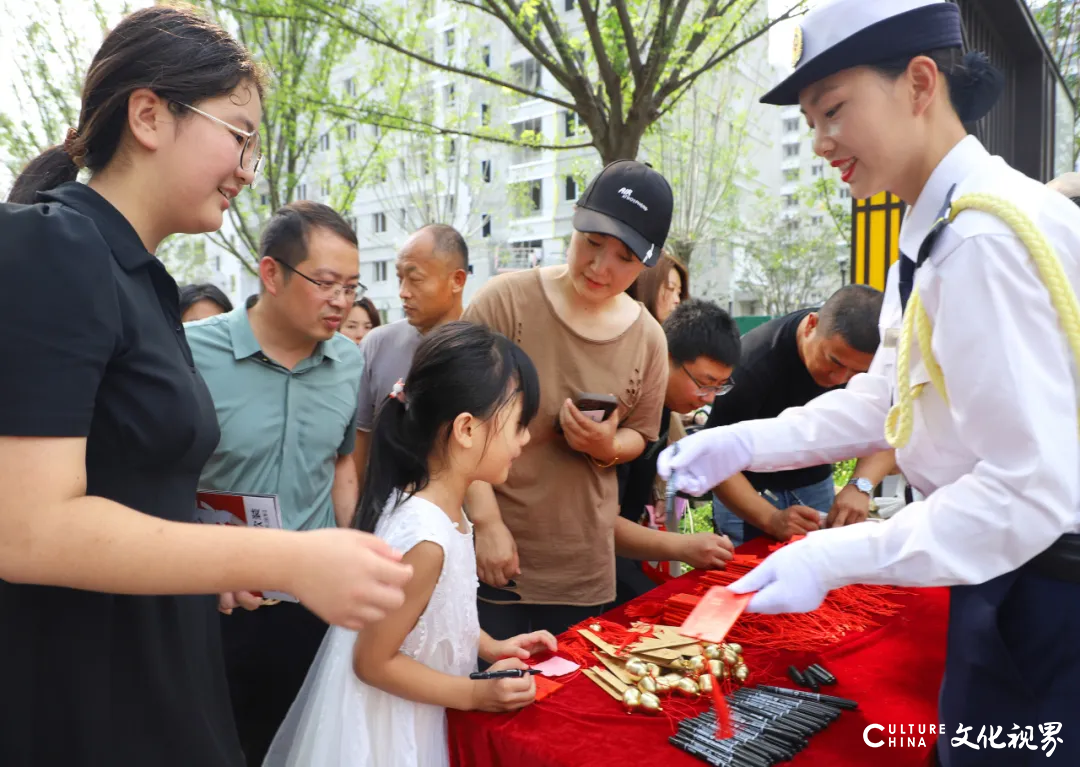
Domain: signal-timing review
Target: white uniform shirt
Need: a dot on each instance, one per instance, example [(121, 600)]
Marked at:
[(1000, 464)]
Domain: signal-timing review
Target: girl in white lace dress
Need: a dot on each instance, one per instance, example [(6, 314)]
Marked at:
[(377, 698)]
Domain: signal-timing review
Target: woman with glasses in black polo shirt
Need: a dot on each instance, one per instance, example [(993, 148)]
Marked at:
[(105, 425)]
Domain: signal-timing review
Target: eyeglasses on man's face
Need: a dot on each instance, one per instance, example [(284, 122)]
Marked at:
[(717, 389), (329, 289), (250, 154)]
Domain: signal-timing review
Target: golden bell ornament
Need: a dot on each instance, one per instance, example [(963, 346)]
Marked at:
[(736, 648), (672, 679), (636, 669), (741, 672), (663, 684), (717, 669), (695, 664), (705, 682), (648, 684), (631, 698), (729, 657), (712, 652), (689, 688), (652, 670), (650, 703)]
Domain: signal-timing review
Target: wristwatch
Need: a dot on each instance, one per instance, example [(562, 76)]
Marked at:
[(863, 485)]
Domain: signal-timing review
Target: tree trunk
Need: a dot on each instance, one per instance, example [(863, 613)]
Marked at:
[(680, 248)]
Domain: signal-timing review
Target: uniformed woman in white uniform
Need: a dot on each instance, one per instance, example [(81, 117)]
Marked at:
[(982, 384)]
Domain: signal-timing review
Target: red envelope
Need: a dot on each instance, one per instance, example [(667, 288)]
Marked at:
[(714, 615)]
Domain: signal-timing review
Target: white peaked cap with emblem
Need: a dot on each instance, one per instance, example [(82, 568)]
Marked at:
[(841, 34)]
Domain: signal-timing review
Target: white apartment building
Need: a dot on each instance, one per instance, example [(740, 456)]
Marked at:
[(513, 204)]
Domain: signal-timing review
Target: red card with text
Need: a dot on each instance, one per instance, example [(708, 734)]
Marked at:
[(714, 615), (243, 510)]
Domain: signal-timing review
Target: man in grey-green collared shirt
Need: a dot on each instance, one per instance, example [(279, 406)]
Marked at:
[(282, 431), (285, 388)]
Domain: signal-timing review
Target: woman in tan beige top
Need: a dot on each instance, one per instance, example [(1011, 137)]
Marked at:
[(545, 539)]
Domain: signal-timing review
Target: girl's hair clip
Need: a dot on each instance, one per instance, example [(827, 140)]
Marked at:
[(398, 392)]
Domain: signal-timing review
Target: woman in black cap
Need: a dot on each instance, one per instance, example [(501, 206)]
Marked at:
[(975, 383), (545, 540)]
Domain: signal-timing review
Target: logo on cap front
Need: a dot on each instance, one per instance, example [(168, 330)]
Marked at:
[(797, 47), (628, 195), (648, 255)]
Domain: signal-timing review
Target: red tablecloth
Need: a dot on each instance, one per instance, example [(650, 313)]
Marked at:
[(893, 672)]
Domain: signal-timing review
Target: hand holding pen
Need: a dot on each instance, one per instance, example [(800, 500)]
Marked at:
[(506, 686)]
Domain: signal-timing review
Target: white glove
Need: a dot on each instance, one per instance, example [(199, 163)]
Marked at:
[(700, 462), (788, 581)]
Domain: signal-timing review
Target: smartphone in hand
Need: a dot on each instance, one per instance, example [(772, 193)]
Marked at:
[(597, 407)]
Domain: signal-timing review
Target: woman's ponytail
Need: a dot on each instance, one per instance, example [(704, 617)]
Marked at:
[(48, 170)]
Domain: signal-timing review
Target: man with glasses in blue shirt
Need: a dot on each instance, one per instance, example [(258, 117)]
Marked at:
[(285, 386), (785, 363)]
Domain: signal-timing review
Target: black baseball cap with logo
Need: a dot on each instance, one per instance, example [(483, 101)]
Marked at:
[(631, 201)]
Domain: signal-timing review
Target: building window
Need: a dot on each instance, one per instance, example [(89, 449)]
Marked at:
[(379, 222), (451, 149), (572, 123), (485, 229), (792, 224), (791, 174), (527, 74), (326, 188), (352, 223), (569, 5), (817, 220), (791, 124), (264, 199), (324, 141), (384, 172), (790, 200), (451, 204), (380, 271), (350, 131), (845, 193), (350, 86), (485, 171), (450, 99), (817, 170), (301, 192), (487, 56), (401, 217), (571, 189), (529, 197), (791, 150), (485, 114), (448, 38), (527, 130), (217, 263)]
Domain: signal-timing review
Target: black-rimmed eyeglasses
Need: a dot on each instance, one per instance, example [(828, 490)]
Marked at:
[(719, 389)]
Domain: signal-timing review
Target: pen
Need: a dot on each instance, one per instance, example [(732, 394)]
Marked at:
[(507, 673)]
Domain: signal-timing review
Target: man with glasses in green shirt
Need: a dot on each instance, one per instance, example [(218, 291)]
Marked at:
[(285, 386)]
